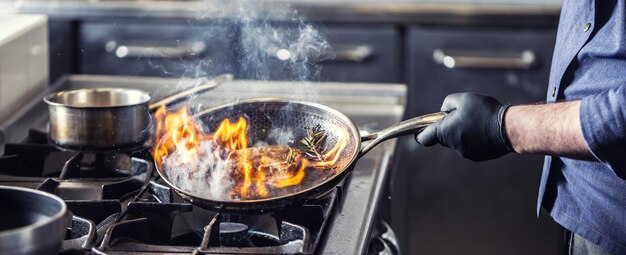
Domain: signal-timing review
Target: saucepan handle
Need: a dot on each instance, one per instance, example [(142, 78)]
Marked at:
[(410, 126), (185, 94)]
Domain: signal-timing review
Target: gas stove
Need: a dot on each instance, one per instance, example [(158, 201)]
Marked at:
[(120, 206)]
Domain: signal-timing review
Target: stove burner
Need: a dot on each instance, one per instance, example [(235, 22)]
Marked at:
[(84, 165), (232, 233), (153, 227), (293, 239), (38, 158)]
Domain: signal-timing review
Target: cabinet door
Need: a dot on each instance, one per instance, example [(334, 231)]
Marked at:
[(151, 48), (363, 54), (355, 53), (511, 65), (453, 205)]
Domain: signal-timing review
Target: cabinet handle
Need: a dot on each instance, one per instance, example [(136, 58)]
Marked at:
[(339, 53), (459, 59), (147, 51)]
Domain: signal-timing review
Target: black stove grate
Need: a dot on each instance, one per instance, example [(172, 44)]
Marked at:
[(164, 228)]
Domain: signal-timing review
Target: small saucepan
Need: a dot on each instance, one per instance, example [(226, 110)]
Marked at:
[(108, 118)]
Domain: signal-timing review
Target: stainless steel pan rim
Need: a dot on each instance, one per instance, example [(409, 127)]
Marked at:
[(60, 214), (124, 98), (352, 130)]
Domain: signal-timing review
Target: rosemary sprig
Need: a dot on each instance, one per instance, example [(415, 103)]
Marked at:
[(314, 141)]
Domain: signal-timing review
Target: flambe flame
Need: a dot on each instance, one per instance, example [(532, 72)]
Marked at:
[(181, 133), (261, 178), (295, 179), (253, 178), (232, 136), (332, 156)]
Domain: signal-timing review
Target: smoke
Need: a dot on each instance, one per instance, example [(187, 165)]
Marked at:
[(280, 135), (258, 40), (254, 40), (205, 174), (274, 52), (265, 41)]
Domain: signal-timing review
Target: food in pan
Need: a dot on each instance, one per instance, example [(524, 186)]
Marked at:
[(222, 165)]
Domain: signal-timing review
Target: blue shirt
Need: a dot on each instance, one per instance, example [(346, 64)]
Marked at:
[(589, 64)]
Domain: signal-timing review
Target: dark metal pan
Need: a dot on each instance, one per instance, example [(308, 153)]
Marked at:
[(108, 118), (31, 221), (266, 115)]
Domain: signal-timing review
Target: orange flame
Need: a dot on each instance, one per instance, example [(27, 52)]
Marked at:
[(295, 179), (253, 177), (232, 136), (332, 156), (176, 131), (261, 189)]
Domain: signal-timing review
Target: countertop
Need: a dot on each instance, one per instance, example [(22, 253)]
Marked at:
[(13, 26)]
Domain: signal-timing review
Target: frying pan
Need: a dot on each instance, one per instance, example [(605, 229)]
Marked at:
[(267, 114), (108, 118)]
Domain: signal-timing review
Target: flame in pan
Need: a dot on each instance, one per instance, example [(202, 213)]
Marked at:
[(181, 133), (295, 179), (332, 156), (232, 136), (255, 172)]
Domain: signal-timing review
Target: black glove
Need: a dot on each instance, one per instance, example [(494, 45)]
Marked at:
[(473, 127)]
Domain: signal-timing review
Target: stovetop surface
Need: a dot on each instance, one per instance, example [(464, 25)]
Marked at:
[(119, 206), (125, 208)]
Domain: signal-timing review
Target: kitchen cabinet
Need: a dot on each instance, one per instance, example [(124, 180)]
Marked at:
[(510, 64), (167, 48), (355, 53), (364, 53), (63, 44), (453, 205)]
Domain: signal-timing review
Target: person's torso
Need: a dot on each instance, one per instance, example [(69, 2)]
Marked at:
[(601, 63), (590, 57)]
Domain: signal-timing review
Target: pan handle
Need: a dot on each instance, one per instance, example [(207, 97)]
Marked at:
[(192, 91), (410, 126)]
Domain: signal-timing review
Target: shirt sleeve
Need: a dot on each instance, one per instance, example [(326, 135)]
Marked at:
[(603, 122)]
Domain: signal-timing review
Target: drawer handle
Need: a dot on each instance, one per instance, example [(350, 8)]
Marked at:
[(458, 59), (356, 54), (146, 51)]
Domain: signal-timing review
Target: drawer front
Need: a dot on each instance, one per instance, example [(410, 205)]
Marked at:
[(486, 207), (368, 53), (512, 66), (155, 49)]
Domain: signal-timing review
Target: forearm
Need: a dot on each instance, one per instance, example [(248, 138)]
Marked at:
[(551, 129)]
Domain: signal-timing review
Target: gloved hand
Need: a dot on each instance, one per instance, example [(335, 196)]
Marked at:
[(473, 127)]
